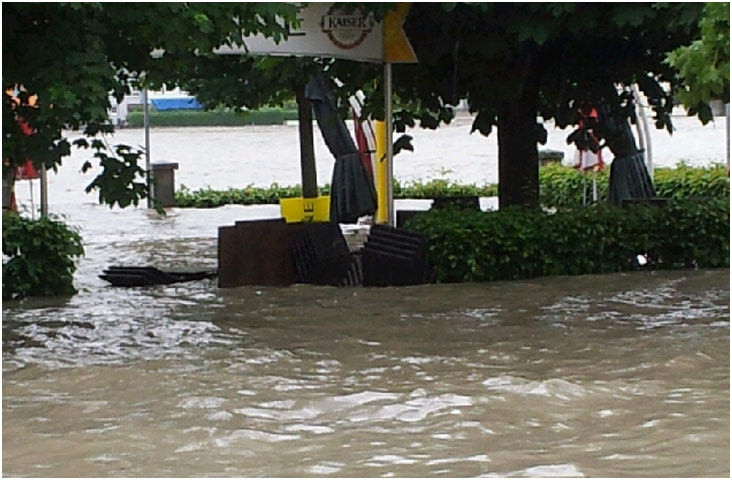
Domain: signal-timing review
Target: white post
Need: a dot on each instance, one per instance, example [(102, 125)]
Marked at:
[(44, 191), (646, 133), (391, 215), (726, 110), (146, 123), (33, 204)]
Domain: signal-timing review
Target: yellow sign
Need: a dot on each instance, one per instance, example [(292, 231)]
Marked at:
[(397, 48), (299, 209)]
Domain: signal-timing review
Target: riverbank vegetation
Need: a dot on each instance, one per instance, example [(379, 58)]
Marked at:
[(39, 257), (188, 118), (560, 187), (466, 245), (251, 195)]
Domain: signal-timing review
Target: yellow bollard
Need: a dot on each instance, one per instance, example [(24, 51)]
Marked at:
[(382, 209)]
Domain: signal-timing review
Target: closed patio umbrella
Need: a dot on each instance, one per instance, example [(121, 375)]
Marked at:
[(629, 178), (352, 193)]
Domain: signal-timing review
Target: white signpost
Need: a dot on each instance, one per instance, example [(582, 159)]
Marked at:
[(327, 30)]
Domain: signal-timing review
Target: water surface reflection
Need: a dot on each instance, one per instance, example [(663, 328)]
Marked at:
[(610, 375)]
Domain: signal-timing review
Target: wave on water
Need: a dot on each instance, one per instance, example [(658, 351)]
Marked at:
[(554, 387), (543, 471)]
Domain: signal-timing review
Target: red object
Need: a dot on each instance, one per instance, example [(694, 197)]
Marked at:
[(587, 159), (24, 127), (363, 145), (27, 171)]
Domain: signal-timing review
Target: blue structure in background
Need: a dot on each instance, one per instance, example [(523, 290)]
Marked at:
[(176, 103)]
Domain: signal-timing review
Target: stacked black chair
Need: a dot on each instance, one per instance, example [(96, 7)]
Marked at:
[(321, 257), (395, 257)]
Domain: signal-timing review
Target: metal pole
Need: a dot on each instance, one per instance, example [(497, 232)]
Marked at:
[(33, 204), (391, 217), (646, 133), (146, 123), (726, 108), (44, 191)]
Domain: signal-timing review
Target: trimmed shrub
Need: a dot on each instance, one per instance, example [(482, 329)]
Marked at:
[(685, 182), (561, 186), (442, 188), (38, 257), (513, 243), (251, 195), (188, 118)]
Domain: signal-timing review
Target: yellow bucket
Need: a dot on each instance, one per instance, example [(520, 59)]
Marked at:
[(299, 209)]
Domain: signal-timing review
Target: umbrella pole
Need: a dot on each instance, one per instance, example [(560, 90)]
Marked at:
[(44, 191), (390, 219), (308, 170), (33, 205), (726, 111), (644, 139)]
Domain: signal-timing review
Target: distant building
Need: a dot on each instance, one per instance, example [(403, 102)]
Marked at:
[(175, 99)]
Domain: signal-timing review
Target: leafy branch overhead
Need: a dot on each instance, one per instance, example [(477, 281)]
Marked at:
[(514, 63), (703, 65), (71, 57)]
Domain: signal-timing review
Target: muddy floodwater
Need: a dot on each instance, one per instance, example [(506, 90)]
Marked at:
[(602, 375)]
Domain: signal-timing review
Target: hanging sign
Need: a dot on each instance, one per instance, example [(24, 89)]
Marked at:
[(329, 30)]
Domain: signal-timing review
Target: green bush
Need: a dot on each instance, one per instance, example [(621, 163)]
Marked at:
[(685, 182), (561, 186), (38, 257), (513, 243), (442, 188), (189, 118), (251, 195)]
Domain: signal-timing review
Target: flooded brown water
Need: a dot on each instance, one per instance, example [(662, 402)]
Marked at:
[(606, 375)]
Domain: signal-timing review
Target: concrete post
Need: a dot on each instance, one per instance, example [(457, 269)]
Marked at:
[(163, 180)]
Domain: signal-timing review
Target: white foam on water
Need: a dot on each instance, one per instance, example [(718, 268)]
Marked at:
[(381, 460), (316, 429), (564, 470), (220, 416), (201, 402), (325, 468), (554, 387), (254, 435), (475, 458)]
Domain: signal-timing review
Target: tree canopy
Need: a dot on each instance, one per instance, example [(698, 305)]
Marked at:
[(703, 65), (70, 57), (515, 62)]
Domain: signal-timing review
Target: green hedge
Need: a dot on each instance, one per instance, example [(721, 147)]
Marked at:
[(188, 118), (250, 195), (561, 186), (513, 243), (38, 257)]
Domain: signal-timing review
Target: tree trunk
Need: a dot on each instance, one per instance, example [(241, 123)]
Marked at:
[(518, 159), (307, 151)]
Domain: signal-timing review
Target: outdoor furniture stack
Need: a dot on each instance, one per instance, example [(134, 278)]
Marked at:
[(272, 252)]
